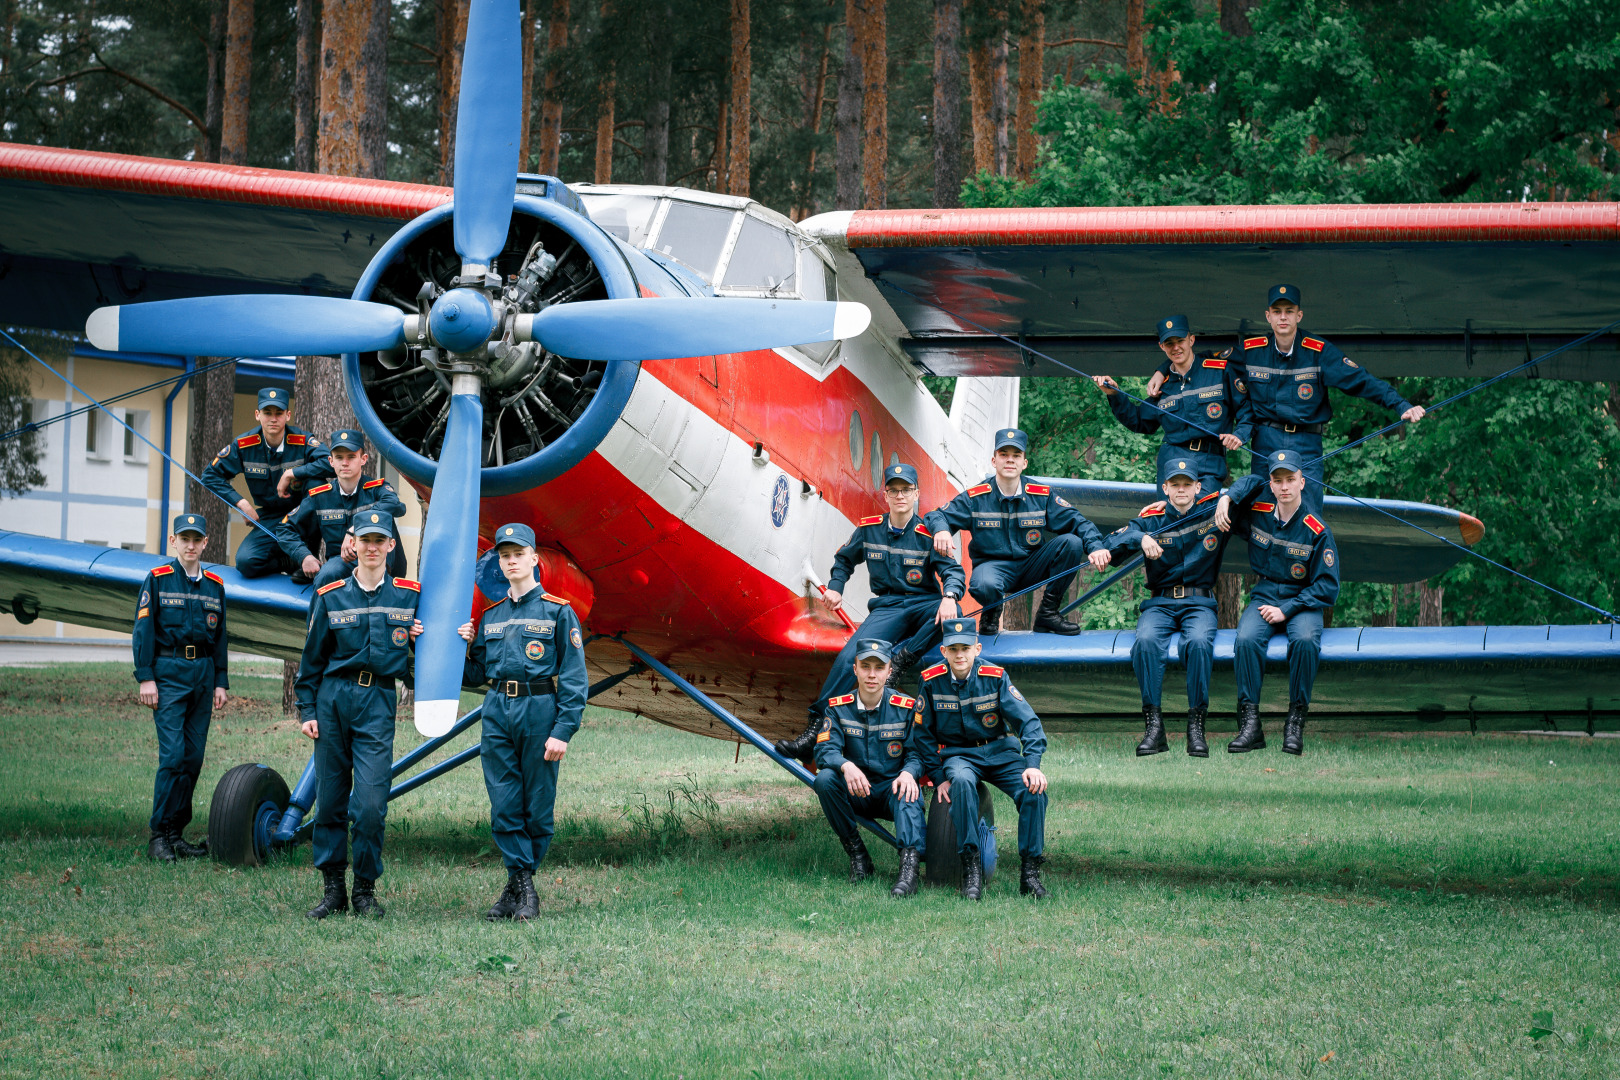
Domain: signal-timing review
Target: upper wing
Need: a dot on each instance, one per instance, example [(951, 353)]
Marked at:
[(1446, 289), (96, 586)]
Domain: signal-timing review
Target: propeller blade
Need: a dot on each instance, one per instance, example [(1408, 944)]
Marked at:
[(449, 556), (658, 328), (247, 325), (489, 125)]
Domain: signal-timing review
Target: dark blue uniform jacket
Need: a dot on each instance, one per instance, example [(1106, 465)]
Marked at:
[(902, 563), (1293, 389), (1208, 396), (325, 514), (248, 455), (985, 707), (351, 631), (1297, 563), (1012, 528), (876, 741), (174, 612), (528, 640), (1192, 545)]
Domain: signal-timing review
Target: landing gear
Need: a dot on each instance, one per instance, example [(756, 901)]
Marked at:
[(248, 803)]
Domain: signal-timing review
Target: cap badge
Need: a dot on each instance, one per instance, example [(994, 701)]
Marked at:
[(508, 532), (1168, 324), (271, 394), (1280, 456), (1181, 464), (374, 519)]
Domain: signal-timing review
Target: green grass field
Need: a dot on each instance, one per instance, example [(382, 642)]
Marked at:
[(1442, 906)]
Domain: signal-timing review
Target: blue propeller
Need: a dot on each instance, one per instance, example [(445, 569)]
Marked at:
[(656, 328), (247, 326), (489, 125)]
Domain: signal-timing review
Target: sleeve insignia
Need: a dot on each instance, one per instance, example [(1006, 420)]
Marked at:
[(373, 483), (842, 699), (992, 671), (555, 599), (824, 736), (1312, 344), (1013, 690), (248, 440), (1038, 489), (1152, 513), (1224, 353), (1263, 507), (1061, 501), (917, 717), (407, 583), (935, 672), (143, 613), (1218, 365), (1254, 342), (1312, 524), (224, 451), (979, 489), (904, 702), (324, 589), (159, 571), (1350, 363), (215, 578), (873, 520), (295, 440), (319, 490)]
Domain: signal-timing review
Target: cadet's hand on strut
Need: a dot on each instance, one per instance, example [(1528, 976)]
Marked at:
[(1151, 548), (311, 729), (1272, 615), (555, 749), (311, 565), (943, 545), (219, 697), (247, 510), (1223, 514), (1230, 441), (466, 631), (284, 485), (1155, 384), (1100, 560), (905, 786), (944, 792), (1105, 384), (1035, 781), (1414, 414), (149, 693), (417, 628), (859, 786), (832, 599)]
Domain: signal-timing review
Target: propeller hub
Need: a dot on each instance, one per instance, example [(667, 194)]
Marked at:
[(462, 320)]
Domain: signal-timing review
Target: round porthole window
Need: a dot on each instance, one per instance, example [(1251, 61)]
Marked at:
[(857, 440)]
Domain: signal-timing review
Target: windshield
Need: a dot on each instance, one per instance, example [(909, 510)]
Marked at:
[(625, 216)]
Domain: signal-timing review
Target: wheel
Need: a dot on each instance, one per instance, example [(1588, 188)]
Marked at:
[(943, 866), (248, 803)]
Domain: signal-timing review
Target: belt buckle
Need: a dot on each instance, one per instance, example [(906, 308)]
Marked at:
[(191, 652), (511, 688), (1178, 592), (1291, 428), (365, 678)]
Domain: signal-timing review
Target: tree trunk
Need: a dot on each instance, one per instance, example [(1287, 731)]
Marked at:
[(452, 24), (1235, 17), (1228, 600), (847, 118), (947, 102), (308, 62), (354, 88), (998, 100), (233, 129), (1019, 614), (1031, 79), (875, 104), (984, 140), (528, 85), (207, 146), (1431, 600), (209, 429), (660, 65), (604, 131), (738, 154), (1135, 59), (551, 97), (720, 160)]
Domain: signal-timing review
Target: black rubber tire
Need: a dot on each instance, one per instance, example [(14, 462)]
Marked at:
[(943, 866), (232, 814)]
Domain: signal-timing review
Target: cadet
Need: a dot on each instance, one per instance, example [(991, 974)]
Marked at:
[(529, 651), (327, 509), (180, 660), (1011, 521), (1292, 553), (972, 724), (914, 588), (277, 459), (1200, 395), (361, 633), (1183, 547), (866, 767)]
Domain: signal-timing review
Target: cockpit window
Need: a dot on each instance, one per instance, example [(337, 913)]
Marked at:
[(625, 216), (696, 235), (762, 259)]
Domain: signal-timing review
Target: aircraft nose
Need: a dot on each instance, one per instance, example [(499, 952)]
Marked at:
[(462, 319)]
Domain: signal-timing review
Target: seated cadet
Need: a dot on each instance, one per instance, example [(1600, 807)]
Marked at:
[(1291, 551), (276, 459), (180, 661), (914, 589), (972, 724), (1011, 550), (866, 768), (361, 633), (529, 651), (327, 509), (1200, 395), (1183, 549)]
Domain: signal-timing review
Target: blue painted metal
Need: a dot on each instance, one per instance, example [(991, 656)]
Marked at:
[(165, 516), (298, 804), (461, 320), (653, 328), (489, 124), (436, 771), (255, 325), (424, 749)]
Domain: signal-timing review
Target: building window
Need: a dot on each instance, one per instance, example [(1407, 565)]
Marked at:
[(135, 449), (133, 546)]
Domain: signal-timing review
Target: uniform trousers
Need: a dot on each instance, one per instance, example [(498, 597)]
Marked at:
[(841, 807), (1304, 629), (185, 707), (353, 768), (995, 578), (903, 621), (998, 763), (1154, 627), (260, 555), (522, 784)]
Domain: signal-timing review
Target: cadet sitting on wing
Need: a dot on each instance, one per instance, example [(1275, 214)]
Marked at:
[(1183, 549), (914, 589), (1292, 553), (1200, 395), (327, 510), (972, 724), (277, 459), (866, 767), (1011, 549)]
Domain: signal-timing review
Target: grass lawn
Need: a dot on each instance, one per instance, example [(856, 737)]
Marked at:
[(1382, 907)]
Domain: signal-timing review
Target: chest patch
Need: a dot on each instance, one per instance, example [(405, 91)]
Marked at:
[(1032, 537), (534, 650), (1213, 410), (213, 620), (895, 749), (1305, 391), (1297, 571), (914, 576), (990, 719), (1210, 543), (400, 635)]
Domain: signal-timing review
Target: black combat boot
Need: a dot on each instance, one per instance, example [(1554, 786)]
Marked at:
[(334, 899), (906, 883), (160, 848), (860, 860), (1294, 729), (528, 902), (972, 874), (1250, 736), (185, 849), (1196, 746), (1153, 736), (802, 745), (990, 621), (365, 898), (1029, 877), (1048, 619), (507, 902), (900, 666)]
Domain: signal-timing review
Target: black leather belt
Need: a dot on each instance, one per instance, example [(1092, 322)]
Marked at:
[(972, 745), (514, 688), (189, 652), (365, 678), (1204, 446), (1181, 592), (1292, 429)]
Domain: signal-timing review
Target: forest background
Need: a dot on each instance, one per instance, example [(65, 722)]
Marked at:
[(817, 105)]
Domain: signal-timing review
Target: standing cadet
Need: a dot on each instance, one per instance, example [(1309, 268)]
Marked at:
[(1200, 395), (327, 510), (1292, 553), (866, 767), (361, 630), (972, 724), (180, 660), (1183, 548), (914, 590), (529, 651), (1012, 548), (277, 459)]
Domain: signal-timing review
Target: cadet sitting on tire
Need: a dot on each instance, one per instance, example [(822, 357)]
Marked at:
[(866, 767), (972, 724), (326, 513)]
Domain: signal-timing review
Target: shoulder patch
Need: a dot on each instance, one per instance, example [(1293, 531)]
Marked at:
[(554, 599), (295, 440), (1152, 513), (159, 571), (873, 520), (1313, 344), (248, 440), (1254, 342), (992, 671), (1312, 524), (324, 589), (1215, 363), (935, 672), (407, 583), (319, 490), (901, 700), (842, 699), (978, 489), (1224, 353), (1037, 489), (923, 529), (373, 483), (215, 578), (1263, 507)]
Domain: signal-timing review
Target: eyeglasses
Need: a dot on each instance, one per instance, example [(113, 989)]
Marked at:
[(900, 493)]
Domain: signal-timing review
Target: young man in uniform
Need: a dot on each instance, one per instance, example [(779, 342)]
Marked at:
[(180, 662), (1011, 549), (866, 767), (529, 650), (277, 460), (972, 724), (327, 509), (1200, 395), (1183, 549), (1292, 553), (914, 590), (361, 634)]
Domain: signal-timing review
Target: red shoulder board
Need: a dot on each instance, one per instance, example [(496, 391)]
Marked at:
[(319, 490), (294, 440), (1312, 344), (248, 440), (1214, 363), (1211, 495), (978, 489), (842, 699), (901, 700), (873, 520), (936, 671), (923, 529), (215, 578), (1312, 524), (1151, 513), (1037, 489), (159, 571), (372, 483), (992, 671), (1263, 508), (324, 589), (1254, 342), (407, 583), (555, 599)]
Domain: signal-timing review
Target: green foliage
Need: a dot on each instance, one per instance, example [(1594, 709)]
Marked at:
[(19, 456)]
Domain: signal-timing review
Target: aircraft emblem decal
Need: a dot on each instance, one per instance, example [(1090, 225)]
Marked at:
[(779, 502)]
